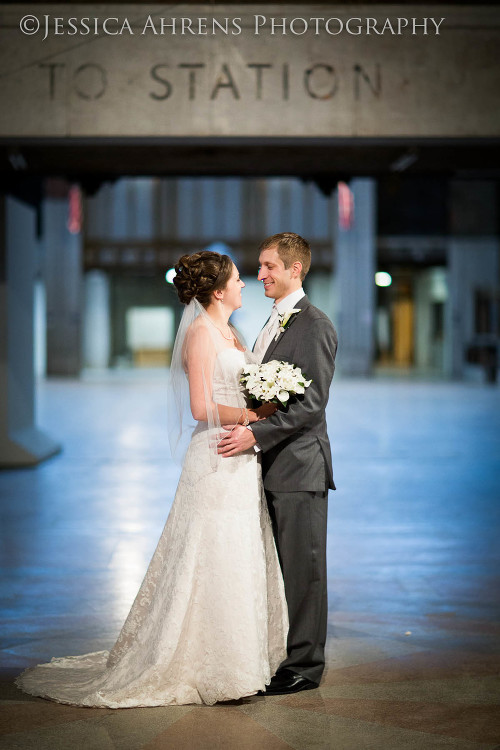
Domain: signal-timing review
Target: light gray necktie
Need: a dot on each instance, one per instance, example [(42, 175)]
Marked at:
[(267, 334)]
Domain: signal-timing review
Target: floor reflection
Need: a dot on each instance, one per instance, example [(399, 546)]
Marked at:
[(413, 646)]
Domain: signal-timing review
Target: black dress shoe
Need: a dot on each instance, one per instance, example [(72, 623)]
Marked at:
[(286, 681)]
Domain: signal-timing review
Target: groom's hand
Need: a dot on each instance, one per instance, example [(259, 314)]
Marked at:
[(238, 440)]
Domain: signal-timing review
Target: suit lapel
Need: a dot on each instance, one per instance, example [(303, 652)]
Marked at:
[(302, 304)]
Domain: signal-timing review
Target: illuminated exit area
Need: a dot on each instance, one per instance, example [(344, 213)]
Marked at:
[(410, 319), (412, 278)]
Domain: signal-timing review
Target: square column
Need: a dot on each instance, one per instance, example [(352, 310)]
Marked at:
[(64, 281), (474, 270), (355, 251), (21, 443)]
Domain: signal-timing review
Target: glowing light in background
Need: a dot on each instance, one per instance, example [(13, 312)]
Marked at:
[(382, 278), (170, 275), (345, 199), (75, 211)]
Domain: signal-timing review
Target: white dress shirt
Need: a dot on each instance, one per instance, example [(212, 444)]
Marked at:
[(289, 302), (271, 328)]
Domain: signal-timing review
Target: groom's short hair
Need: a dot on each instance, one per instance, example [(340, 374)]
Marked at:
[(290, 247)]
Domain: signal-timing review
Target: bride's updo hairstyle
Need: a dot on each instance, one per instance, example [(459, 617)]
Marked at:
[(200, 274)]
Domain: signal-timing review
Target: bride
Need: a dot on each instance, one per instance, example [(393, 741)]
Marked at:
[(209, 622)]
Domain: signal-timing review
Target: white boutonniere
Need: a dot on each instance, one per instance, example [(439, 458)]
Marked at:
[(284, 320)]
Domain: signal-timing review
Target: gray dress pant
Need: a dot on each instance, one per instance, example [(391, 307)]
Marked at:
[(300, 523)]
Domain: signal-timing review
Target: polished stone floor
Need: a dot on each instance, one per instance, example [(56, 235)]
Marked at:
[(413, 647)]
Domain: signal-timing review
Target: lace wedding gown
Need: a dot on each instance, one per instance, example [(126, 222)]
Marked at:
[(210, 621)]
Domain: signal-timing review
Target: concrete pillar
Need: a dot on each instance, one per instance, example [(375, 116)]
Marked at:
[(355, 255), (96, 320), (21, 443), (473, 263), (63, 282), (40, 329)]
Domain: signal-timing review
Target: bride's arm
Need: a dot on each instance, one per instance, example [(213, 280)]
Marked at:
[(200, 362)]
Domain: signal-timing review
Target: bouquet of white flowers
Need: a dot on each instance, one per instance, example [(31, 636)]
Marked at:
[(274, 382)]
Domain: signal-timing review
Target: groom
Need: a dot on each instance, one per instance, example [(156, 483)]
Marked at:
[(296, 458)]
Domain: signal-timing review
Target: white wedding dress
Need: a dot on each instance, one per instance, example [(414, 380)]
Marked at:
[(210, 620)]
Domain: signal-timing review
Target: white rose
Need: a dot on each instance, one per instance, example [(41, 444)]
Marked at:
[(287, 383)]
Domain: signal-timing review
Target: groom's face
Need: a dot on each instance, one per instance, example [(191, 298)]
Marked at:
[(276, 278)]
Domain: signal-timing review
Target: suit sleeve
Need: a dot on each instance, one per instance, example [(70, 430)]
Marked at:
[(318, 355)]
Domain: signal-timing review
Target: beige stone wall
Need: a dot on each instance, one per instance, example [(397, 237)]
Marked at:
[(249, 82)]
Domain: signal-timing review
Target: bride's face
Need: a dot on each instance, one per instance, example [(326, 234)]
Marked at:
[(232, 292)]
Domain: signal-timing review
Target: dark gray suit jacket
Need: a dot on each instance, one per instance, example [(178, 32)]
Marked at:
[(296, 449)]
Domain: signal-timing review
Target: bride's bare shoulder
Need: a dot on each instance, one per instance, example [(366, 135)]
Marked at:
[(198, 336), (198, 327)]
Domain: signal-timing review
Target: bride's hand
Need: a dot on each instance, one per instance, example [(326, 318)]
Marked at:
[(265, 410)]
